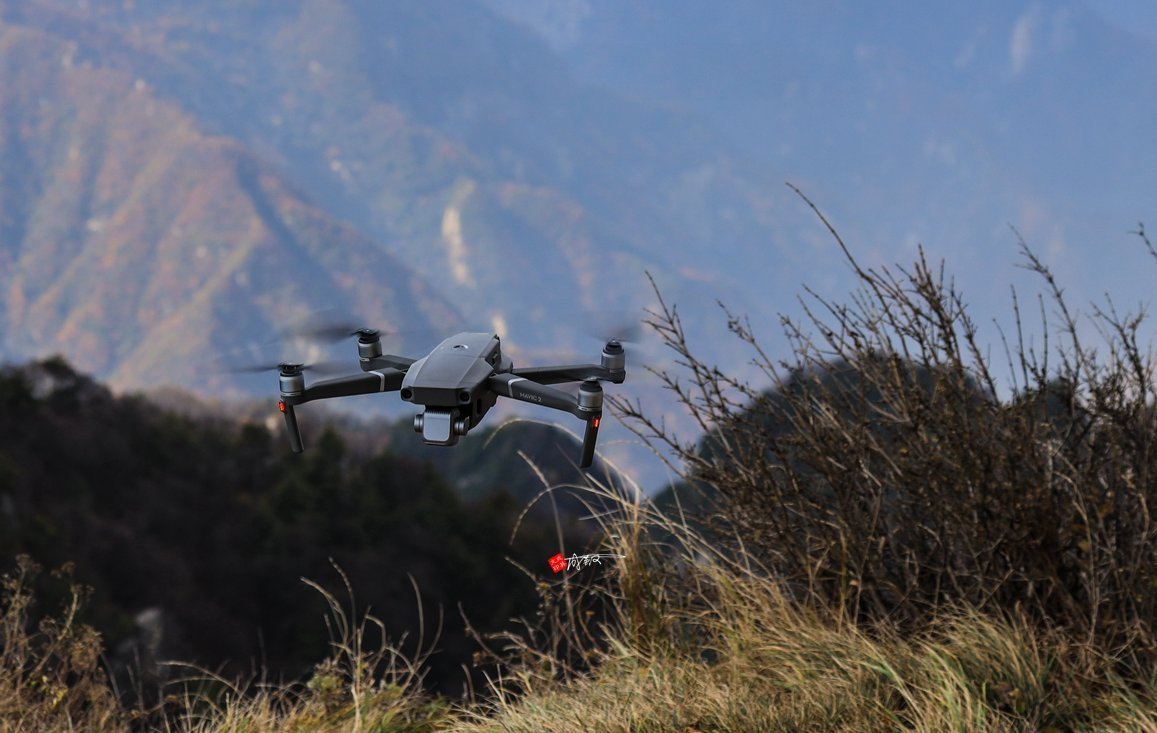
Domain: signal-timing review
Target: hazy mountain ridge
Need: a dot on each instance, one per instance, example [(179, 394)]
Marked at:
[(523, 185), (139, 244), (458, 141), (938, 124)]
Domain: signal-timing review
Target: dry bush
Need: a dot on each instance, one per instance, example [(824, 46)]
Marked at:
[(50, 674), (701, 637), (882, 476)]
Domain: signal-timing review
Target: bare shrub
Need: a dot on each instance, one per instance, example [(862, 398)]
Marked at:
[(882, 476), (50, 673)]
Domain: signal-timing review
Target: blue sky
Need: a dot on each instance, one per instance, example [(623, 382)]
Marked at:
[(1139, 16)]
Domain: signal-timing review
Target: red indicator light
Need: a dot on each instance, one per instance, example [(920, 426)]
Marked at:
[(595, 422), (281, 405)]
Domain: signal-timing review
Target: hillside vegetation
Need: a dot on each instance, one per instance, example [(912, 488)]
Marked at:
[(884, 542), (194, 533)]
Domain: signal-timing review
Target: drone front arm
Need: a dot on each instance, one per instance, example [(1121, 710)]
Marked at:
[(292, 393), (386, 361), (384, 380)]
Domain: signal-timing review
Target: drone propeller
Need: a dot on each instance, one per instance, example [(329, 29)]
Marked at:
[(325, 333), (328, 326), (319, 368), (624, 326), (332, 332)]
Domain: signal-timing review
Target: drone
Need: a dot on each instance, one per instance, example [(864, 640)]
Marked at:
[(457, 383)]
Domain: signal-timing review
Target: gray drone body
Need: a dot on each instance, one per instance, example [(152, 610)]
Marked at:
[(451, 382), (457, 383)]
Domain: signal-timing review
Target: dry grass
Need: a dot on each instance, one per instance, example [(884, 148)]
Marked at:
[(716, 644), (695, 639), (365, 685), (50, 676)]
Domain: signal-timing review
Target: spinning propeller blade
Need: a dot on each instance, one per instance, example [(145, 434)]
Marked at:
[(624, 326), (319, 368), (320, 326)]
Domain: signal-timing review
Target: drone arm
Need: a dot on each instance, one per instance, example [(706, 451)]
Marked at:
[(386, 361), (293, 393), (570, 373), (588, 406), (523, 389), (384, 380)]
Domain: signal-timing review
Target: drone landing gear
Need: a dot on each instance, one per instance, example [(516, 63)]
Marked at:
[(291, 426), (590, 400)]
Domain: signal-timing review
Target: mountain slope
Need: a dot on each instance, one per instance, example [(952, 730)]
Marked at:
[(457, 140), (141, 244)]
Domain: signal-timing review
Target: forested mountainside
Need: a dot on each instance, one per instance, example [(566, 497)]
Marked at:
[(209, 524)]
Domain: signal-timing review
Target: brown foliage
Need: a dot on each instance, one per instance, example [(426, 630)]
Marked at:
[(883, 476), (51, 677)]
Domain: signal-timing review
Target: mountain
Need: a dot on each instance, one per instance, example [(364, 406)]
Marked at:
[(180, 178), (137, 240), (450, 136)]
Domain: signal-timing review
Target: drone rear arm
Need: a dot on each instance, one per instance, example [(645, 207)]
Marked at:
[(588, 406), (521, 388)]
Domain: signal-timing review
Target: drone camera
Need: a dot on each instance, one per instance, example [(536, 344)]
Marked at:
[(441, 427)]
